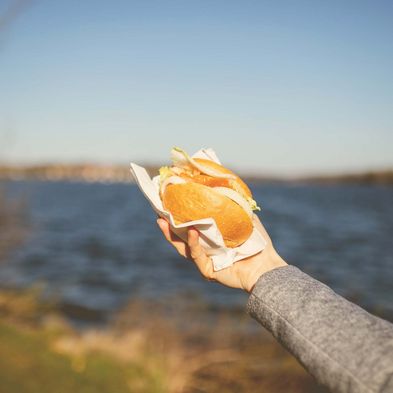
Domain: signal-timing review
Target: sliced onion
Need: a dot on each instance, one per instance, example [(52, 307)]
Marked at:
[(177, 171), (182, 159), (236, 197), (171, 180)]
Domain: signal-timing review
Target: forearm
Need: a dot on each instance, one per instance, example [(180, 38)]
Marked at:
[(340, 344)]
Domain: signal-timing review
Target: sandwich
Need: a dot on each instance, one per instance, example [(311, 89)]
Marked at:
[(195, 188)]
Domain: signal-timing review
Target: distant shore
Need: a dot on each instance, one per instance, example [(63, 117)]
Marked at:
[(121, 174)]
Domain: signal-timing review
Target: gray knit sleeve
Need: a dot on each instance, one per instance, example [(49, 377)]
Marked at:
[(344, 347)]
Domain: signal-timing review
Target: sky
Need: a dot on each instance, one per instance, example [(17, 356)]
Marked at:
[(275, 87)]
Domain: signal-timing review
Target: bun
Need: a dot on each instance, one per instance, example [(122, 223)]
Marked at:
[(236, 184), (193, 201)]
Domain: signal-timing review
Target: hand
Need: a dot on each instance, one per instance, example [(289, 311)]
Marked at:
[(243, 274)]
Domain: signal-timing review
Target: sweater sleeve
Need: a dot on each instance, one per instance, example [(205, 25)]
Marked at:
[(344, 347)]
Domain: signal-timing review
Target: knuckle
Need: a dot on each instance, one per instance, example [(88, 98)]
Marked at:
[(195, 253)]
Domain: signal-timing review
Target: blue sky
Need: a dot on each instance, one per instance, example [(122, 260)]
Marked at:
[(286, 87)]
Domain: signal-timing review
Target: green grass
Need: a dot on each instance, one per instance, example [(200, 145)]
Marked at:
[(29, 365), (145, 350)]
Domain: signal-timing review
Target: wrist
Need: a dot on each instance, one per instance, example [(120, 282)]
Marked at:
[(265, 261)]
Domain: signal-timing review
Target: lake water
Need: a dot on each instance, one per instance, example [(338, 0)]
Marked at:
[(95, 246)]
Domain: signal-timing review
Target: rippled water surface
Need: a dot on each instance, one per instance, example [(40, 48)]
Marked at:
[(95, 246)]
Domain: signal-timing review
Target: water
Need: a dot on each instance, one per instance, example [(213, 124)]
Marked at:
[(96, 246)]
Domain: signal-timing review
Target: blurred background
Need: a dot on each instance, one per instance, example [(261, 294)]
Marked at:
[(295, 96)]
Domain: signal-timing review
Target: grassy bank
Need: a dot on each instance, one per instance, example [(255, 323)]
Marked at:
[(40, 352), (28, 364), (145, 349)]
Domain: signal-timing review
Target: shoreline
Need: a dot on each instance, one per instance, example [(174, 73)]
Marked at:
[(325, 181), (91, 173)]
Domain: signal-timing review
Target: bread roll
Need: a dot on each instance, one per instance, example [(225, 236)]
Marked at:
[(193, 201)]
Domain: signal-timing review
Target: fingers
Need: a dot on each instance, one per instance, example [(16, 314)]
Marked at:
[(196, 249), (192, 249), (199, 256), (176, 242)]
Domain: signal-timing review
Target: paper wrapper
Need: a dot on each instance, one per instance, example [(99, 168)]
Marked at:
[(210, 237)]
